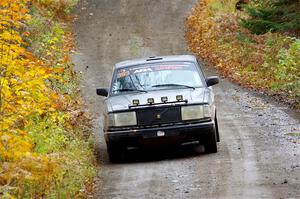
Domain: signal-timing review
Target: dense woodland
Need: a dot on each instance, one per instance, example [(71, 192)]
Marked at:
[(273, 16), (255, 43)]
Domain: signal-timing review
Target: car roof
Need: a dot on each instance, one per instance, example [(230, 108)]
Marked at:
[(156, 59)]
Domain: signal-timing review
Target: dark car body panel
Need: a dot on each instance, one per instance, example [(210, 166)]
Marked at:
[(183, 132)]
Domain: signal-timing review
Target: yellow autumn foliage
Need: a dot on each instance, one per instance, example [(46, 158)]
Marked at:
[(22, 83), (35, 145)]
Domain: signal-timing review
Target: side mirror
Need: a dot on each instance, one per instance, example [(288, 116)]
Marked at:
[(210, 81), (102, 91)]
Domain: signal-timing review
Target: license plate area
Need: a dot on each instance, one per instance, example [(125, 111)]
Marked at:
[(160, 134)]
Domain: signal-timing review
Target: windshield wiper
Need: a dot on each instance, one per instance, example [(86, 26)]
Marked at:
[(173, 85), (130, 89)]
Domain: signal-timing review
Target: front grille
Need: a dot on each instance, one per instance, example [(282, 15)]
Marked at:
[(158, 115)]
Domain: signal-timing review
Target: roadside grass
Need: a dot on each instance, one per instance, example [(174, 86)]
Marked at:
[(269, 62), (46, 148)]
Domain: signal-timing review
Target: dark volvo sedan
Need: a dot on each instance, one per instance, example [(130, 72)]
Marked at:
[(159, 100)]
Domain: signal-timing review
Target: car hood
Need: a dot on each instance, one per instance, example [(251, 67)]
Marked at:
[(122, 102)]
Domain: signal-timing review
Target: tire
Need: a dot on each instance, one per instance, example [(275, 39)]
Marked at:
[(115, 152), (211, 142), (217, 128)]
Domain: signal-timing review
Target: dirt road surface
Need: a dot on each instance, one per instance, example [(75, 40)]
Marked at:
[(259, 153)]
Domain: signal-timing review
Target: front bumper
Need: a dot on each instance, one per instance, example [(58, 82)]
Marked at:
[(185, 133)]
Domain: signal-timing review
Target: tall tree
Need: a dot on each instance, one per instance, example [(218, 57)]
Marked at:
[(273, 15)]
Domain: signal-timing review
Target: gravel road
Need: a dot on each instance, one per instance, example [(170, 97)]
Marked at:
[(259, 152)]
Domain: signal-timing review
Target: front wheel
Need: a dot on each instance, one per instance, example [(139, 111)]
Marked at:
[(217, 128), (211, 142), (115, 152)]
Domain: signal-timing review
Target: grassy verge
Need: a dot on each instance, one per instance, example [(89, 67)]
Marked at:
[(45, 139), (268, 62)]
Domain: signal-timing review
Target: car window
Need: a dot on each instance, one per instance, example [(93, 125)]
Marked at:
[(146, 77)]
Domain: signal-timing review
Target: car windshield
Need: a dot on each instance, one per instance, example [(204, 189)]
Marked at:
[(157, 76)]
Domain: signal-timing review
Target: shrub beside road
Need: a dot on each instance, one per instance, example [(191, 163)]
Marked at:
[(45, 148)]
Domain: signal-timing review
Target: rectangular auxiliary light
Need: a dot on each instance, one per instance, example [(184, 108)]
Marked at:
[(135, 102), (150, 100), (179, 98), (164, 99)]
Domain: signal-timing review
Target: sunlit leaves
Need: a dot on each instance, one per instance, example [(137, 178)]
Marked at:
[(22, 90), (37, 138)]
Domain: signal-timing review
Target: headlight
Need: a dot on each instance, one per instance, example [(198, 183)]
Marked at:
[(122, 119), (195, 112)]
